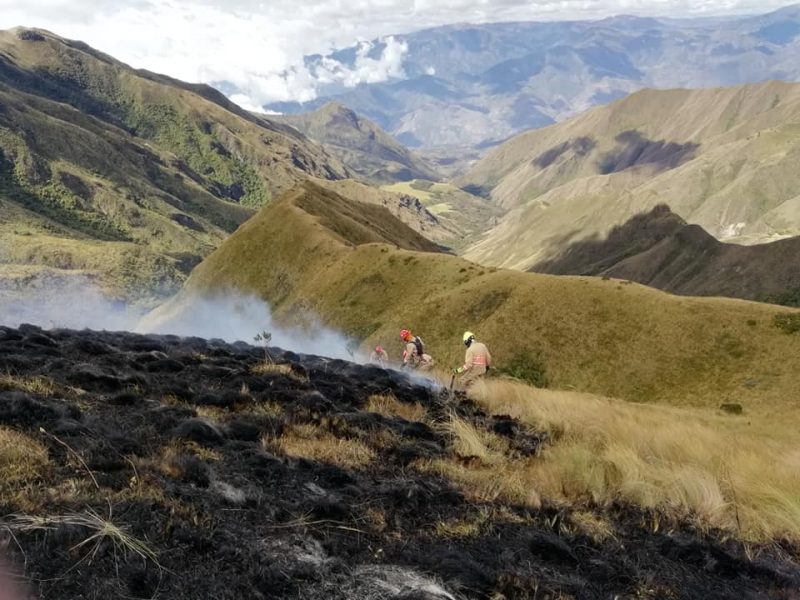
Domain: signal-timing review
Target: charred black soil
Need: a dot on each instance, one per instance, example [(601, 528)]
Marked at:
[(185, 468)]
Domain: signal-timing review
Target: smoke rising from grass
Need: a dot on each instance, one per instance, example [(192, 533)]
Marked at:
[(240, 317), (71, 302)]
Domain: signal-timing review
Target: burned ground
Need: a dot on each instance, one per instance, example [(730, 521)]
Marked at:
[(185, 468)]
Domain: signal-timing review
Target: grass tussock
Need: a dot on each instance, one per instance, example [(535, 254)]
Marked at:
[(507, 481), (471, 443), (312, 443), (389, 406), (591, 525), (675, 461), (37, 386), (270, 368), (100, 531), (22, 459)]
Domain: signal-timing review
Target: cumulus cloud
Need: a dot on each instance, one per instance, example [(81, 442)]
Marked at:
[(258, 46), (366, 69)]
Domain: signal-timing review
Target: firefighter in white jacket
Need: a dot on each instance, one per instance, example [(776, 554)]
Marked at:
[(476, 361)]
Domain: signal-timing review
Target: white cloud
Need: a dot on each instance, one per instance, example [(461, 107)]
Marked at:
[(246, 102), (258, 45), (366, 69)]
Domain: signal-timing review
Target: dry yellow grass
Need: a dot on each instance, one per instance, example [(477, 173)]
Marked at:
[(312, 443), (680, 462), (590, 524), (270, 368), (389, 406), (469, 442), (39, 386), (507, 481), (22, 459)]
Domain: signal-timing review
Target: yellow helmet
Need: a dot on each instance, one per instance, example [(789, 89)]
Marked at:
[(468, 337)]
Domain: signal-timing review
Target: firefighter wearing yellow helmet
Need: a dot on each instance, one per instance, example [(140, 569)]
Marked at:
[(476, 361)]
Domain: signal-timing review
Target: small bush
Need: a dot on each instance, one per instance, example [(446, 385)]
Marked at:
[(787, 298), (788, 323)]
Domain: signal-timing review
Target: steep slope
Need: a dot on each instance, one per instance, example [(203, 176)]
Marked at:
[(146, 466), (476, 85), (315, 253), (467, 215), (660, 250), (407, 207), (725, 159), (129, 176), (361, 145)]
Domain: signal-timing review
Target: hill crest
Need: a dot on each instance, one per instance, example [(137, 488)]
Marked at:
[(605, 337)]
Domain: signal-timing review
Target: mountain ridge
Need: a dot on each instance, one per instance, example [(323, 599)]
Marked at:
[(722, 158), (126, 179), (473, 85), (370, 290), (661, 250)]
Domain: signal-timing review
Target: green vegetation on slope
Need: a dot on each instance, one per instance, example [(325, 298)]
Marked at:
[(608, 337), (98, 160)]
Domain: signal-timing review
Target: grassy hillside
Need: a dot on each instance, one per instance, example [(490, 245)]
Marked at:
[(659, 249), (360, 144), (361, 272), (100, 163), (725, 159)]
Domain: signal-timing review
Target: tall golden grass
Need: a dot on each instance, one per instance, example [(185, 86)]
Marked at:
[(680, 462), (22, 458)]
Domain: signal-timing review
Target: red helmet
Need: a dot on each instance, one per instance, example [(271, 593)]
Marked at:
[(405, 334)]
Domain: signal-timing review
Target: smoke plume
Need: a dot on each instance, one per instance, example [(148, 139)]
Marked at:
[(240, 317), (71, 302), (75, 302)]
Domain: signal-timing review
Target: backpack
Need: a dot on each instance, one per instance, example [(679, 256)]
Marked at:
[(417, 341)]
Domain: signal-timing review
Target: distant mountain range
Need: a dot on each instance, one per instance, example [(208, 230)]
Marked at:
[(477, 85), (726, 159)]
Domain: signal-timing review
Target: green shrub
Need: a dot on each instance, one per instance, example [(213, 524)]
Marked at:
[(788, 323), (528, 367), (787, 298)]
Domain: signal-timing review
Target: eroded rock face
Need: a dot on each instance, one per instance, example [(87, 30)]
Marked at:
[(224, 475)]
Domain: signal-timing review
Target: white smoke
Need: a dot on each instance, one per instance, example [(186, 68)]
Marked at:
[(75, 302), (72, 302), (240, 317)]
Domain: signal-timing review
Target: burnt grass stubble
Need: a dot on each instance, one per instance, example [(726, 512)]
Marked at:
[(258, 524)]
